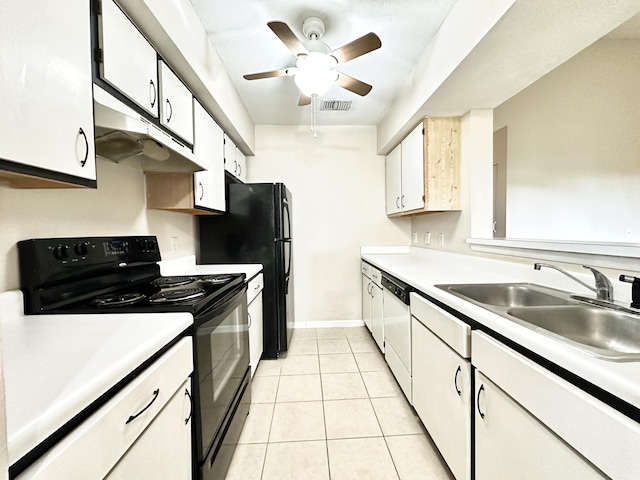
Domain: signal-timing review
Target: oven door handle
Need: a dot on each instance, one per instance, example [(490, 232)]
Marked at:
[(156, 392)]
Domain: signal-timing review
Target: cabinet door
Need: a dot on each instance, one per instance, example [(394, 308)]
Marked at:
[(230, 164), (209, 186), (393, 182), (241, 161), (129, 62), (377, 323), (164, 450), (176, 104), (46, 86), (366, 301), (413, 170), (511, 443), (442, 397), (256, 337)]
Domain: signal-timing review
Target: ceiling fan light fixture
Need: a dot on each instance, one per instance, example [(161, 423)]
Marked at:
[(314, 76)]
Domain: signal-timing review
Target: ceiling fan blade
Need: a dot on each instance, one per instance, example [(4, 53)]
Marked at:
[(358, 47), (273, 73), (304, 100), (353, 84), (287, 37)]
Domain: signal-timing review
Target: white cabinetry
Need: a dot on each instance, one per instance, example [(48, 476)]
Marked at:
[(256, 337), (176, 103), (209, 186), (530, 421), (46, 95), (404, 169), (234, 160), (150, 456), (99, 443), (372, 303), (442, 392), (129, 62)]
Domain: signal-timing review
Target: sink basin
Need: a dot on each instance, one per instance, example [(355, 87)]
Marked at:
[(601, 332), (509, 294)]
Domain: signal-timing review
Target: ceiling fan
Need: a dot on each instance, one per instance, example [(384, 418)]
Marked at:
[(314, 71)]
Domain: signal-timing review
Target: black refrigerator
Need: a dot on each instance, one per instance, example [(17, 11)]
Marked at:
[(257, 229)]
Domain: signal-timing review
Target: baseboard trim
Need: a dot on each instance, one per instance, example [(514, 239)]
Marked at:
[(329, 324)]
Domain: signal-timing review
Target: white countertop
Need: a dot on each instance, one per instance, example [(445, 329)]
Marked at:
[(424, 268), (187, 266), (56, 365)]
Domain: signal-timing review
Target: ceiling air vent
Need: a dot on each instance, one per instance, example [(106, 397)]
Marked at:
[(336, 105)]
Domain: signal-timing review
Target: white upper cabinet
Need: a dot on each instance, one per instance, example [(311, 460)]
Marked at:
[(176, 103), (393, 180), (209, 185), (241, 162), (46, 94), (413, 170), (129, 62), (234, 160)]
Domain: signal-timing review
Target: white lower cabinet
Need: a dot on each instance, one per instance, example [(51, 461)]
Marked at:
[(511, 443), (256, 335), (441, 382), (532, 424), (164, 451), (377, 319), (126, 425), (366, 301)]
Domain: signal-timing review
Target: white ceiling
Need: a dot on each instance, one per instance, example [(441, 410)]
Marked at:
[(240, 34)]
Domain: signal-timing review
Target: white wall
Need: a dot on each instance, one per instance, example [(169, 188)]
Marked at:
[(573, 149), (116, 207), (337, 184)]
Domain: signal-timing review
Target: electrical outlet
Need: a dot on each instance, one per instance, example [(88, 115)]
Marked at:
[(427, 238), (174, 244), (441, 239), (415, 237)]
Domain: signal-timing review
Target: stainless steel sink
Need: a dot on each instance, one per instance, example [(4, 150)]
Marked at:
[(509, 294), (604, 330), (601, 332)]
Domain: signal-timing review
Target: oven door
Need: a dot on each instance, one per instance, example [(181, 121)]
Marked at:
[(221, 341)]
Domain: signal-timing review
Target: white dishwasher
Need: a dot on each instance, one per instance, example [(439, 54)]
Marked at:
[(397, 330)]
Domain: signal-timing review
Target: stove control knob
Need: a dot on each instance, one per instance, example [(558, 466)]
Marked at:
[(61, 252), (81, 248)]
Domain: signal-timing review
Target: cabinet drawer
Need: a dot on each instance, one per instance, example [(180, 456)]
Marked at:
[(453, 331), (600, 433), (94, 447), (365, 269), (255, 287), (375, 276)]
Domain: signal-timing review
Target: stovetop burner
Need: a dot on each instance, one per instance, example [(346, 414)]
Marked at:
[(176, 296), (216, 279), (170, 282), (119, 300)]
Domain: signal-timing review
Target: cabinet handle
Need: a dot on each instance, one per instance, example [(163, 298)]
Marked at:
[(369, 288), (170, 109), (373, 293), (249, 315), (397, 202), (186, 392), (480, 390), (455, 381), (201, 190), (83, 162), (239, 169), (133, 417), (402, 201), (153, 96), (235, 166)]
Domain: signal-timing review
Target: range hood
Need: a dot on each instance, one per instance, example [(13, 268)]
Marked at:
[(124, 136)]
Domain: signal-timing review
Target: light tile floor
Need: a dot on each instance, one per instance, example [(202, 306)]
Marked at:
[(331, 409)]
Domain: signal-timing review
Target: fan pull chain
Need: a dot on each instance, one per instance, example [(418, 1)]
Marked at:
[(314, 109)]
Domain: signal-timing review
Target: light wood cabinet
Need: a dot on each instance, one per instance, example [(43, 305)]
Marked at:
[(176, 103), (46, 95), (428, 169)]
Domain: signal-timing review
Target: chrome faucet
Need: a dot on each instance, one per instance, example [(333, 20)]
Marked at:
[(603, 288)]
